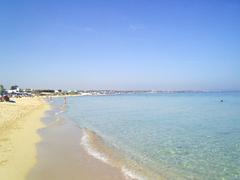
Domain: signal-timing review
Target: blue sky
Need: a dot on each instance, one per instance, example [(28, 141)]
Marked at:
[(127, 44)]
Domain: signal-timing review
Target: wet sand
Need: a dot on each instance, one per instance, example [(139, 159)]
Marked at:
[(61, 157)]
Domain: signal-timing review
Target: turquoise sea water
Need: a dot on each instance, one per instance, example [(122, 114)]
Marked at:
[(178, 135)]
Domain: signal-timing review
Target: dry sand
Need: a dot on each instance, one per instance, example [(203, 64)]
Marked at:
[(19, 123)]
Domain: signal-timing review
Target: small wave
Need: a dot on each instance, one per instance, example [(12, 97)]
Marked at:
[(86, 144), (57, 113), (130, 174)]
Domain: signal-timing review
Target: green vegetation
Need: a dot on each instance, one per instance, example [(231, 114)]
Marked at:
[(1, 89)]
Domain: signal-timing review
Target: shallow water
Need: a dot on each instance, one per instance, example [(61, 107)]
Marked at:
[(178, 135)]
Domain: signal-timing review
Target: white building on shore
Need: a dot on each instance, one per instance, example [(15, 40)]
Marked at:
[(13, 89)]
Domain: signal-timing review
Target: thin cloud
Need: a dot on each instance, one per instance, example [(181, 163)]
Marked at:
[(88, 29), (136, 27), (77, 28)]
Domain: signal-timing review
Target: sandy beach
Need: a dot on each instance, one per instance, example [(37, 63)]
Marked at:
[(33, 144), (19, 123)]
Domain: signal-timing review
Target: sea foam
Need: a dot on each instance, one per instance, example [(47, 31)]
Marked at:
[(90, 150), (131, 174), (85, 142)]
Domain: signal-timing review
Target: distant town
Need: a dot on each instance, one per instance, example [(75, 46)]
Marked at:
[(16, 92)]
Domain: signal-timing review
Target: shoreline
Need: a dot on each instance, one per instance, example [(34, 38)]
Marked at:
[(34, 149), (62, 138), (98, 148), (19, 124), (83, 150)]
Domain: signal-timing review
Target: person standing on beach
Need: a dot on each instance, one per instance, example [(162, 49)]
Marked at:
[(65, 100)]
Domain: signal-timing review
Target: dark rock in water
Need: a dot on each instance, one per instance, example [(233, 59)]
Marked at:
[(221, 101)]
